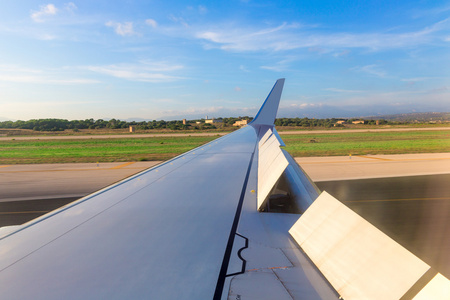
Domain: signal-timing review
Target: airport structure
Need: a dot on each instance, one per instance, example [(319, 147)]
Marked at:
[(240, 123), (212, 121)]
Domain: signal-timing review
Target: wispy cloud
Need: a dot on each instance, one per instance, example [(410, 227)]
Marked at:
[(364, 103), (44, 80), (303, 105), (44, 11), (343, 90), (419, 13), (145, 71), (374, 70), (71, 7), (243, 68), (415, 98), (151, 23), (179, 20), (280, 66), (123, 29), (48, 10), (19, 74), (284, 37), (202, 9)]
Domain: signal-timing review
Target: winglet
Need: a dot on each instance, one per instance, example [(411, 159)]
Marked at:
[(268, 111)]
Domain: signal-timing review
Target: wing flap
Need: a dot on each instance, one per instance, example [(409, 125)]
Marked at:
[(271, 164), (359, 260)]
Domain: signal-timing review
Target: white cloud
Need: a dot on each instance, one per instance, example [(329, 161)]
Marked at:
[(18, 74), (151, 23), (280, 66), (237, 89), (179, 20), (236, 37), (44, 11), (342, 53), (303, 105), (243, 68), (123, 29), (422, 12), (145, 71), (416, 79), (46, 37), (44, 80), (276, 68), (342, 90), (71, 7), (374, 70), (202, 9)]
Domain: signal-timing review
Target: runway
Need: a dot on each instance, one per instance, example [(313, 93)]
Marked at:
[(52, 181), (406, 196)]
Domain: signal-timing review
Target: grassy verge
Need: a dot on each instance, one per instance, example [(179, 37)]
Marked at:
[(364, 143), (163, 148), (97, 150)]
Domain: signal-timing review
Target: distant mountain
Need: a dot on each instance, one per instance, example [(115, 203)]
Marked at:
[(415, 117)]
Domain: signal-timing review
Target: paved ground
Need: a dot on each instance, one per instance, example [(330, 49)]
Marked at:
[(374, 166), (45, 181)]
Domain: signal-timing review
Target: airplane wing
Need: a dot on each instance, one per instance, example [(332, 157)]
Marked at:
[(218, 222)]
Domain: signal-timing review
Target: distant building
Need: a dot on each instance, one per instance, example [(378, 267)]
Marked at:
[(132, 128), (184, 121), (358, 122), (340, 122), (240, 123), (211, 121)]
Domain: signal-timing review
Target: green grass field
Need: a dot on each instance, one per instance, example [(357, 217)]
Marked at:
[(389, 142), (163, 148), (97, 150)]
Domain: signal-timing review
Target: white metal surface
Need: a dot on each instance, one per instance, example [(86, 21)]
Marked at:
[(266, 115), (271, 164), (360, 261), (437, 288), (275, 267), (165, 228)]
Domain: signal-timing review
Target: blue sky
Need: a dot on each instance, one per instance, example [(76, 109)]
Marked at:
[(176, 59)]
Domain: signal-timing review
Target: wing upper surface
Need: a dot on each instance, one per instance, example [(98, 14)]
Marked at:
[(166, 225)]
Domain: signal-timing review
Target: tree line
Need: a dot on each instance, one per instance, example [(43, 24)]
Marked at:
[(63, 124), (333, 122)]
